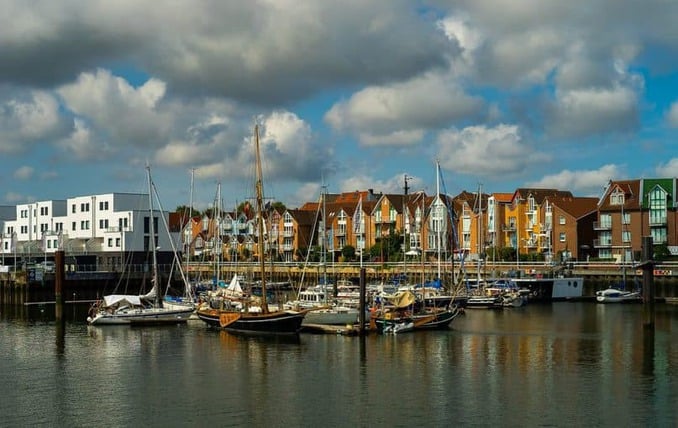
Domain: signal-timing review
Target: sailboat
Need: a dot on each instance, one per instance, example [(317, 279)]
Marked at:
[(321, 309), (261, 321), (147, 308), (406, 312)]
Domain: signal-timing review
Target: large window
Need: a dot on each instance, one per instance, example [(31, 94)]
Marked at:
[(657, 199), (606, 220)]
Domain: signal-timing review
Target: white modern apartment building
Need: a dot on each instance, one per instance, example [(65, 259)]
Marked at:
[(105, 225)]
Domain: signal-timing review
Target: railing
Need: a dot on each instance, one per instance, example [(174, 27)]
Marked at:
[(597, 225), (602, 243)]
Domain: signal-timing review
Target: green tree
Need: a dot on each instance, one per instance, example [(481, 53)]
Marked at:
[(348, 252)]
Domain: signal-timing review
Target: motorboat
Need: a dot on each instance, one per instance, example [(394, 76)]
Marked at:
[(613, 295)]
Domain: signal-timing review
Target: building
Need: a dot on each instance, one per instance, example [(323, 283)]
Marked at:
[(628, 210), (105, 227)]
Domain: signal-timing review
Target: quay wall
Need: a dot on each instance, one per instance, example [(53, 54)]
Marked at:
[(89, 284)]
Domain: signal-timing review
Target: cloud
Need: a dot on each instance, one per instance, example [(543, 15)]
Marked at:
[(580, 182), (395, 114), (672, 115), (483, 151), (24, 173), (27, 118), (668, 169), (267, 50), (289, 150), (17, 198), (588, 112), (123, 114), (84, 144)]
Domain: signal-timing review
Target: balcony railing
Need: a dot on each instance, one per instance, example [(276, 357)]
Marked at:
[(597, 225), (602, 243), (508, 227)]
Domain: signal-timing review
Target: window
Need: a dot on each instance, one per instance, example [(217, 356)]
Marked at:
[(117, 242), (562, 236), (657, 201), (606, 220), (103, 205), (73, 208), (110, 242), (626, 236), (73, 226), (561, 219), (658, 235), (627, 218), (617, 198)]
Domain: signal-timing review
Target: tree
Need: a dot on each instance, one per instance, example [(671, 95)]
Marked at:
[(348, 252), (185, 211)]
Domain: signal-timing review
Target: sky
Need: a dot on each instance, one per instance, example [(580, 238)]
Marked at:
[(348, 95)]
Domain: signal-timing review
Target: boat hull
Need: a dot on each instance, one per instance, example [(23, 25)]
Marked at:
[(612, 295), (426, 321), (484, 302), (281, 322), (331, 318), (141, 316), (551, 289)]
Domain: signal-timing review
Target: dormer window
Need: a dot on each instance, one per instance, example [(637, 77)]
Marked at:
[(617, 198)]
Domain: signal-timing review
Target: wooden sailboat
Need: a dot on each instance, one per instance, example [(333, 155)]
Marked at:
[(403, 315), (261, 321)]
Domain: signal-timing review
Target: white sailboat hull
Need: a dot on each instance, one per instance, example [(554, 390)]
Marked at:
[(141, 316)]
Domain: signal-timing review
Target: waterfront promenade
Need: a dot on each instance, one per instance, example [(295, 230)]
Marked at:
[(91, 282)]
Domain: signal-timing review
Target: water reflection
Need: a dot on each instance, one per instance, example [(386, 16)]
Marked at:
[(561, 364)]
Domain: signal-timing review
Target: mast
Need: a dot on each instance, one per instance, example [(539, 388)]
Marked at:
[(480, 230), (260, 219), (405, 188), (623, 246), (323, 245), (151, 241), (438, 213)]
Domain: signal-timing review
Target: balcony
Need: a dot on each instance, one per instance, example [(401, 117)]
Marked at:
[(530, 243), (602, 243), (508, 227), (602, 225), (657, 222), (288, 234)]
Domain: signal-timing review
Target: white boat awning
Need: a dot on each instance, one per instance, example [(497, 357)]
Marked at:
[(117, 299)]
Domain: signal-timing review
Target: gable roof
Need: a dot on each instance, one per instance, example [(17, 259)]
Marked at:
[(538, 194), (577, 207)]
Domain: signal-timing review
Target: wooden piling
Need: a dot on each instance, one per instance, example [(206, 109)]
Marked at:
[(58, 285), (648, 283), (361, 314)]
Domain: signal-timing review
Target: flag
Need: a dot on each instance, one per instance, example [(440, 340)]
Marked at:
[(358, 215)]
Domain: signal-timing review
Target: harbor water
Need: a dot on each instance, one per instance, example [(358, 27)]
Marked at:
[(563, 364)]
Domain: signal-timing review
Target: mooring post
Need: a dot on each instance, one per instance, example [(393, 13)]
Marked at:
[(58, 283), (648, 283), (361, 314)]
